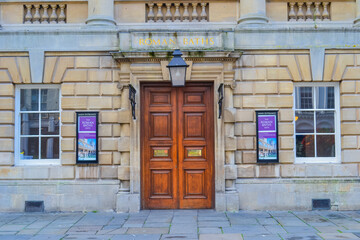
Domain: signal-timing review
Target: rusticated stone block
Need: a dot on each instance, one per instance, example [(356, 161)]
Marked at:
[(109, 172), (279, 101), (108, 144), (350, 156), (6, 145), (230, 143), (68, 117), (266, 60), (245, 143), (9, 173), (100, 75), (350, 101), (345, 170), (124, 116), (7, 103), (68, 158), (75, 75), (318, 170), (7, 90), (124, 172), (350, 128), (286, 143), (254, 101), (349, 142), (100, 103), (124, 144), (253, 74), (105, 130), (87, 62), (244, 115), (286, 87), (68, 144), (105, 158), (268, 171), (229, 115), (249, 129), (348, 114), (85, 172), (87, 89), (7, 117), (230, 172), (75, 103), (293, 171), (36, 172), (6, 158), (62, 172), (245, 171), (286, 157), (286, 115), (68, 131), (266, 88), (109, 117), (68, 89), (249, 157), (7, 131)]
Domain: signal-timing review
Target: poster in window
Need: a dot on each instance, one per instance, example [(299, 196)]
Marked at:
[(267, 140), (86, 137)]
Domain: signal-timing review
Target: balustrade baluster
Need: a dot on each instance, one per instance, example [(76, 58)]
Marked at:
[(53, 16), (194, 15), (177, 15), (309, 15), (28, 16), (186, 15), (151, 15), (317, 11), (36, 17), (45, 15), (168, 16), (300, 13), (292, 15), (326, 15), (62, 15), (203, 12)]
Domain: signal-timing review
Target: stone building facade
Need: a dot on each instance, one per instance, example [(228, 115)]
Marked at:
[(62, 57)]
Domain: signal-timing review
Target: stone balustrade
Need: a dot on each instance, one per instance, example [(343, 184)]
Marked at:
[(45, 13), (308, 11), (177, 12)]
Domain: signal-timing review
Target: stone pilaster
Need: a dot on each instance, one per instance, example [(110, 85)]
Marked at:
[(252, 12), (357, 19), (100, 13)]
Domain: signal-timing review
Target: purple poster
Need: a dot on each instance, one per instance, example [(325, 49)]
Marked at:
[(86, 137), (267, 140)]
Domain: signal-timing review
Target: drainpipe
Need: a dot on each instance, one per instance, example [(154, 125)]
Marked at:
[(101, 13)]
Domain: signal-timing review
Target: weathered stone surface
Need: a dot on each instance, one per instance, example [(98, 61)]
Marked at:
[(292, 171), (267, 171), (245, 171), (244, 115), (62, 172), (230, 172), (319, 170), (124, 144), (244, 143), (74, 103), (108, 144), (109, 172), (345, 170), (86, 172)]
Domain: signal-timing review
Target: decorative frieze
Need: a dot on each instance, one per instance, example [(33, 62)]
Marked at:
[(177, 12), (45, 13), (308, 11)]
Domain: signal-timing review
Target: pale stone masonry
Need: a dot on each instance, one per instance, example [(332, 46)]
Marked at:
[(249, 46)]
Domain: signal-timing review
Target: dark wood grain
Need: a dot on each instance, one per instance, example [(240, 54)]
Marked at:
[(179, 124)]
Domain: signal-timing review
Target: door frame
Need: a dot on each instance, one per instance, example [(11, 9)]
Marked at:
[(138, 75), (142, 170)]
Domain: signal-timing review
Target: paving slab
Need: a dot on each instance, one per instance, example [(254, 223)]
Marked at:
[(179, 237), (261, 237), (182, 228), (14, 237), (210, 230), (300, 236), (337, 236), (233, 236), (147, 230), (300, 229), (136, 237), (87, 237), (47, 237)]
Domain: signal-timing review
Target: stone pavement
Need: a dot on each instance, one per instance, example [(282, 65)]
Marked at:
[(180, 225)]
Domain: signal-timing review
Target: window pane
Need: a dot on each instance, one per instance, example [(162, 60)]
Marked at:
[(29, 148), (325, 98), (49, 99), (29, 100), (49, 147), (304, 98), (29, 124), (325, 122), (50, 123), (304, 121), (305, 146), (325, 145)]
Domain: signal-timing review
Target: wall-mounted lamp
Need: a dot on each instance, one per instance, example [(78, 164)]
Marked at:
[(177, 68)]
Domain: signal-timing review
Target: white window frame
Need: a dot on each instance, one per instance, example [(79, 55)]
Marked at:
[(22, 162), (337, 158)]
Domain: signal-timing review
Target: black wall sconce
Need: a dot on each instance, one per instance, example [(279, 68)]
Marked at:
[(221, 98), (132, 92)]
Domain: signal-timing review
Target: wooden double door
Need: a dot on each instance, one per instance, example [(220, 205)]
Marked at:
[(177, 146)]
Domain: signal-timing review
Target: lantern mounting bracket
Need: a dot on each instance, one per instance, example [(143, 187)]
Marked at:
[(132, 92), (221, 98)]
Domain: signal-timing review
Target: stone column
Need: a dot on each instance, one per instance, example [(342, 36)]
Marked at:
[(252, 12), (357, 19), (100, 12)]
